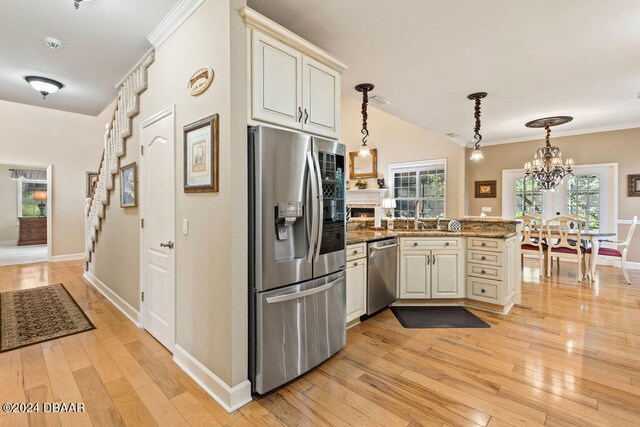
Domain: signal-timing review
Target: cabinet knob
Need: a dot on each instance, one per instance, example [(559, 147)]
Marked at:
[(415, 243), (355, 251), (483, 258), (483, 244), (355, 264), (483, 272), (483, 291), (446, 244)]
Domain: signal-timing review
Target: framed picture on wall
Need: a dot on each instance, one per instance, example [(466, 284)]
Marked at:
[(201, 147), (633, 185), (128, 186), (90, 184), (485, 189)]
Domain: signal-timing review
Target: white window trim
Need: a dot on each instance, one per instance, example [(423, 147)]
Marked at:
[(430, 162), (553, 201), (19, 183)]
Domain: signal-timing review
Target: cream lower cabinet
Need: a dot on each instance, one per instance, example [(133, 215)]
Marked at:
[(492, 270), (356, 281), (431, 268)]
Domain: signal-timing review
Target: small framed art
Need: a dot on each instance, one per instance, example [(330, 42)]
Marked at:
[(485, 189), (90, 184), (201, 156), (128, 186), (633, 185)]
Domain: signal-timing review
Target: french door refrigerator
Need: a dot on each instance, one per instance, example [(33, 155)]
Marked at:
[(297, 257)]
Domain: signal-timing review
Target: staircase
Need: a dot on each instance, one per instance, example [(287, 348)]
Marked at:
[(118, 130)]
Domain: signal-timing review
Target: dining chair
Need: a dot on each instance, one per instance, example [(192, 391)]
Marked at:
[(559, 229), (619, 252), (531, 242)]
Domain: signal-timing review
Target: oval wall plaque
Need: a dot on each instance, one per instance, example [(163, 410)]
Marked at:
[(200, 81)]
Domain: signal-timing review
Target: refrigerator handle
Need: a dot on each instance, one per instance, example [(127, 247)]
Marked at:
[(311, 211), (320, 213), (302, 294)]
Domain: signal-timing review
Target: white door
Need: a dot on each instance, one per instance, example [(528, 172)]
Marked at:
[(447, 276), (157, 191), (356, 289), (277, 82), (320, 98), (414, 275)]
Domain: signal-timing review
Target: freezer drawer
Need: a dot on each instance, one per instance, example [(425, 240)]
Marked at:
[(297, 328)]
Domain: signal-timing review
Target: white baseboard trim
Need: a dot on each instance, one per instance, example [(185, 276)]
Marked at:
[(8, 243), (630, 265), (67, 257), (230, 398), (126, 308)]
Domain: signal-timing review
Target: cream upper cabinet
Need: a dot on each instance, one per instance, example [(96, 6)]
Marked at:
[(447, 273), (276, 85), (293, 83), (320, 98), (356, 289)]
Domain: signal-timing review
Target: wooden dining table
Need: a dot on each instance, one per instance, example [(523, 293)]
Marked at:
[(590, 236)]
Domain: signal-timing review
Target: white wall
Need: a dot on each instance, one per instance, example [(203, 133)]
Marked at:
[(71, 143)]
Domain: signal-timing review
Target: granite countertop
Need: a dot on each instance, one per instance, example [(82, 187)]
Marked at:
[(359, 236)]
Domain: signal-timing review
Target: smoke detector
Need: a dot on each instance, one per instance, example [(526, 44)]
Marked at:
[(379, 100), (53, 43)]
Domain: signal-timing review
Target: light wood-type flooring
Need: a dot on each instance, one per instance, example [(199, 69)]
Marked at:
[(570, 355)]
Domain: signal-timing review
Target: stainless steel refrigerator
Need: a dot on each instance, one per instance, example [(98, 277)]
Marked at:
[(297, 255)]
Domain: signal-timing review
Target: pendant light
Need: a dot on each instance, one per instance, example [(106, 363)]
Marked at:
[(44, 85), (547, 167), (365, 88), (476, 154)]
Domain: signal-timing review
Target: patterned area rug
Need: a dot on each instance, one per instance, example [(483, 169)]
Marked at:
[(30, 316)]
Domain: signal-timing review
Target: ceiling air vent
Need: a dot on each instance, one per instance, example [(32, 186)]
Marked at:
[(379, 100)]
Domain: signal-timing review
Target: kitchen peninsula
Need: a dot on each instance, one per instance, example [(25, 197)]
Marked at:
[(478, 266)]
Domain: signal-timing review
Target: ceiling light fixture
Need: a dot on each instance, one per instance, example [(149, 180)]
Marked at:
[(364, 88), (76, 3), (547, 167), (44, 85), (476, 154), (53, 43)]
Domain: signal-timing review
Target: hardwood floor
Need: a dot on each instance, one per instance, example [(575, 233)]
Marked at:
[(569, 355)]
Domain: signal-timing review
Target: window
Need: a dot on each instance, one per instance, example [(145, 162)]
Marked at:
[(583, 199), (26, 205), (423, 181), (528, 197)]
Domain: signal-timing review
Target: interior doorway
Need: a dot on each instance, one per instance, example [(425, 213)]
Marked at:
[(25, 214)]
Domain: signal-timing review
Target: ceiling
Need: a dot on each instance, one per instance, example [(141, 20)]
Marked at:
[(534, 58), (102, 41)]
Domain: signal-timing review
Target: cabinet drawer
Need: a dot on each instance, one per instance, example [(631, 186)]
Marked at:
[(495, 245), (484, 257), (484, 290), (357, 263), (356, 251), (485, 271), (430, 243)]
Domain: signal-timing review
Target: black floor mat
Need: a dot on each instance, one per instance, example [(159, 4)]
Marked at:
[(437, 317)]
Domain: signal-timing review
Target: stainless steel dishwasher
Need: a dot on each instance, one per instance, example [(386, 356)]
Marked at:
[(381, 274)]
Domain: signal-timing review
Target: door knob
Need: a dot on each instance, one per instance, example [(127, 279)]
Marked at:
[(167, 245)]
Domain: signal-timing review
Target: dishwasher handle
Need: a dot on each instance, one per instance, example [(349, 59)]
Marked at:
[(380, 248)]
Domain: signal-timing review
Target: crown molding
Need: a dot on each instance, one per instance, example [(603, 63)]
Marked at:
[(256, 21), (172, 21), (559, 134)]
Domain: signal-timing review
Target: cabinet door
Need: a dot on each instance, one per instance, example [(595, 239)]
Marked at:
[(414, 274), (356, 289), (447, 274), (276, 93), (320, 98)]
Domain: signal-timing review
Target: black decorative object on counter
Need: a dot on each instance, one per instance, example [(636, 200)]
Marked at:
[(380, 182)]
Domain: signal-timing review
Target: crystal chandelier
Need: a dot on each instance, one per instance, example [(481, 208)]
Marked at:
[(547, 167), (476, 154)]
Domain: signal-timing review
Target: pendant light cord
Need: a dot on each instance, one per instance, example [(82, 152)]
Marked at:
[(364, 131), (476, 129)]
